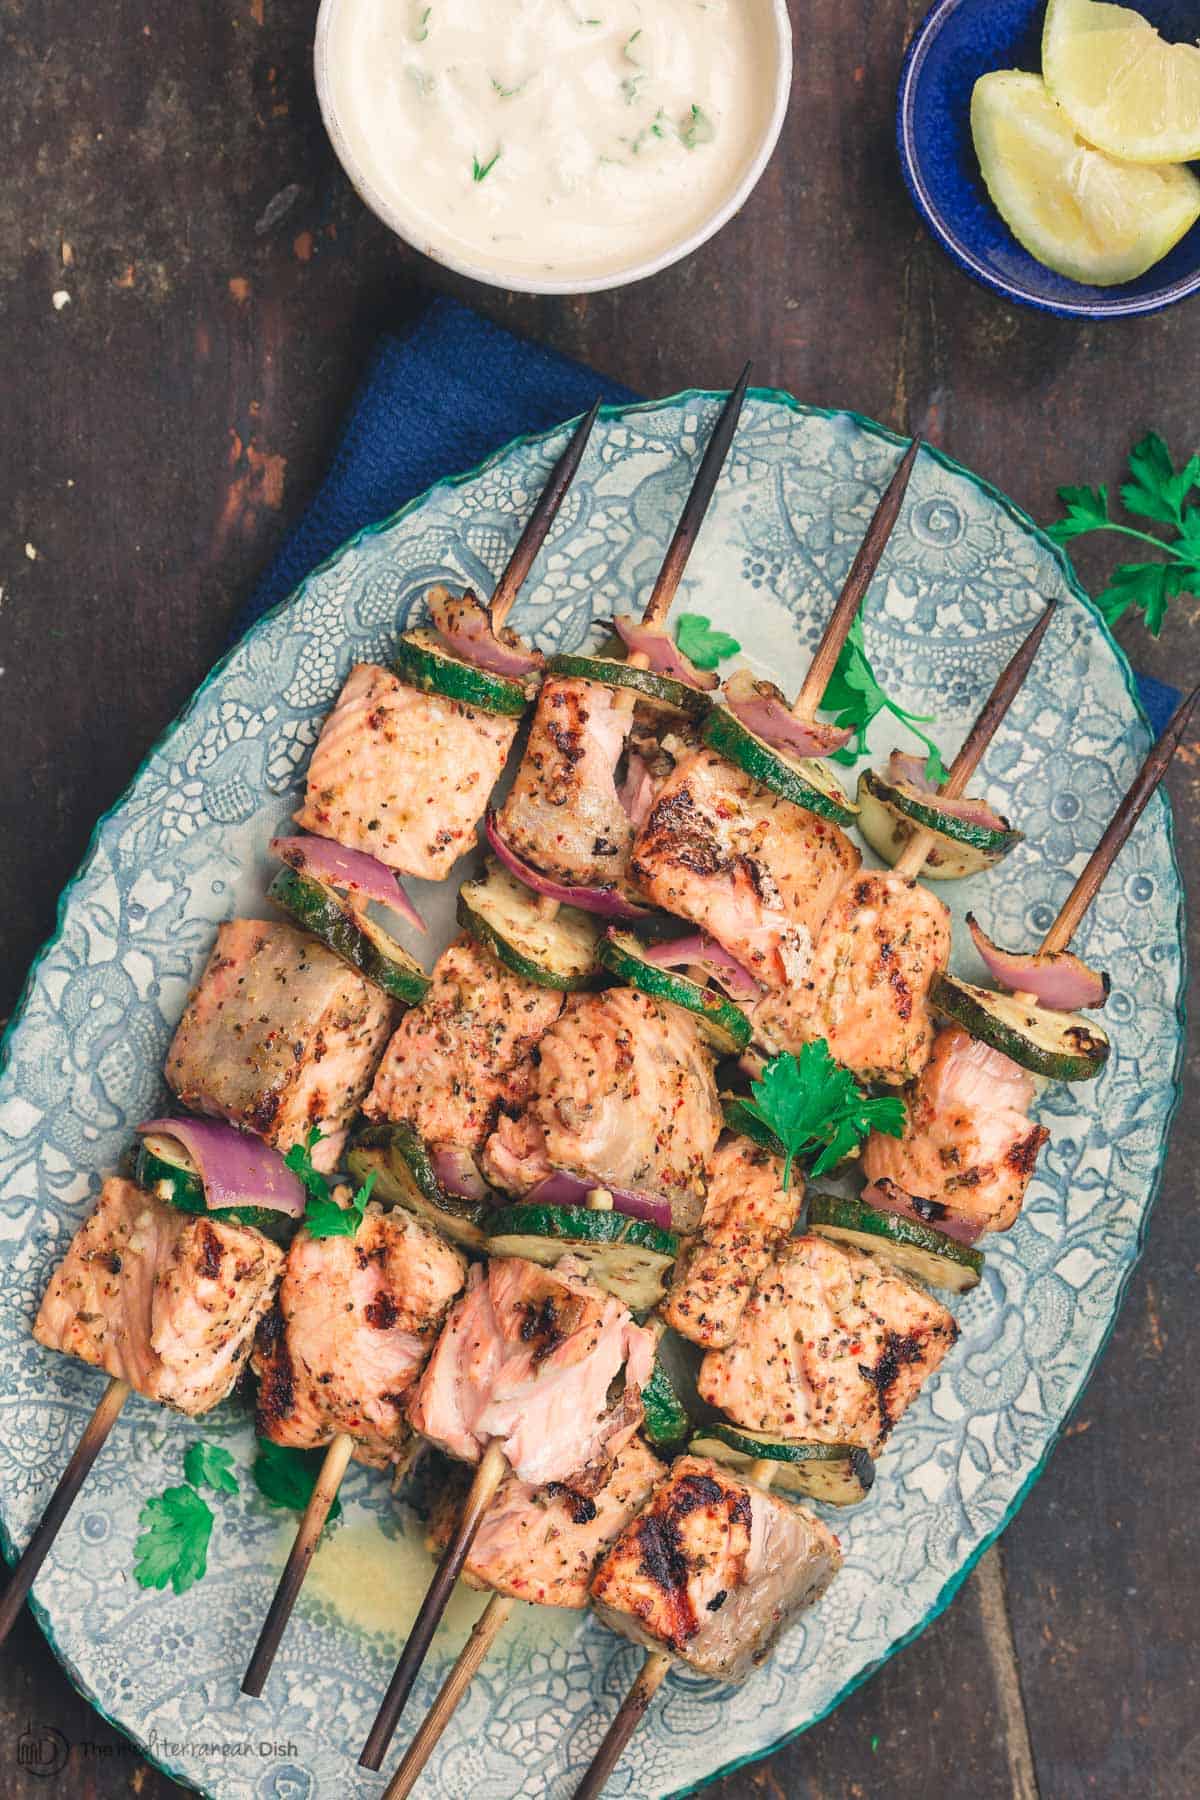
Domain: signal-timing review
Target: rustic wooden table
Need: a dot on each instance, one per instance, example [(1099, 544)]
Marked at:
[(189, 292)]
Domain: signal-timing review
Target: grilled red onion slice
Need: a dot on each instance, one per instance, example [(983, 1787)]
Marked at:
[(905, 766), (889, 1197), (466, 627), (662, 653), (1060, 981), (565, 1189), (457, 1172), (636, 792), (763, 709), (236, 1169), (907, 770), (351, 871), (697, 951), (605, 901)]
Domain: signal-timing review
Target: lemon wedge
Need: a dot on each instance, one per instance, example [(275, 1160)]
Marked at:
[(1126, 90), (1077, 210)]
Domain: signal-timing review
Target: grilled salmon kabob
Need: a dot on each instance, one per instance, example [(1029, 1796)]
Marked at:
[(969, 1147)]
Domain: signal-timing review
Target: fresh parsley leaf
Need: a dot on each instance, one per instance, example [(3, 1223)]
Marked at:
[(853, 694), (207, 1465), (1087, 510), (173, 1547), (817, 1110), (481, 171), (299, 1161), (323, 1217), (701, 642), (697, 128), (287, 1477)]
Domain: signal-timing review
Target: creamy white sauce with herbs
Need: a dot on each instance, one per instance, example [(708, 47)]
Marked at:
[(561, 137)]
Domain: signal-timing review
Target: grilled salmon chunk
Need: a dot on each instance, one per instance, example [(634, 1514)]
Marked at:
[(541, 1544), (833, 1346), (279, 1035), (969, 1147), (746, 1216), (713, 1569), (754, 871), (463, 1051), (354, 1324), (621, 1090), (867, 992), (527, 1357), (403, 775), (159, 1298)]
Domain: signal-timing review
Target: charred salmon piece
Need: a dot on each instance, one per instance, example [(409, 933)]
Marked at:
[(158, 1298), (278, 1036), (564, 813), (527, 1357), (622, 1090), (455, 1057), (713, 1570), (357, 1318), (403, 775), (754, 871), (969, 1146), (867, 991), (542, 1543), (833, 1345), (746, 1216)]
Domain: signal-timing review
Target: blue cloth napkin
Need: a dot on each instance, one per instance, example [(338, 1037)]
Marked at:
[(438, 401)]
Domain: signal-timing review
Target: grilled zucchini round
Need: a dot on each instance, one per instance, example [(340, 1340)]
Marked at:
[(628, 1257), (721, 1020), (1060, 1045), (425, 662), (891, 813), (662, 691), (805, 781), (914, 1248), (404, 1177), (350, 935), (503, 914), (739, 1118), (839, 1474)]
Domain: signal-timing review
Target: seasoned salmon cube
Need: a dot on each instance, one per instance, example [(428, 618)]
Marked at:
[(279, 1036), (713, 1570), (403, 775), (867, 991), (164, 1300), (746, 1216), (353, 1326), (754, 871), (833, 1346), (527, 1358), (462, 1052), (541, 1544)]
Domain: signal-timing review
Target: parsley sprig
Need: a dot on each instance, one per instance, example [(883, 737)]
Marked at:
[(1157, 491), (178, 1523), (853, 694), (287, 1476), (702, 642), (323, 1217), (816, 1108)]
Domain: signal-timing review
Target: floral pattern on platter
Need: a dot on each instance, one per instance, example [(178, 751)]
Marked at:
[(961, 583)]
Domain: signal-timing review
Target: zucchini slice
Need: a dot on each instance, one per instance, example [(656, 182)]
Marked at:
[(721, 1020), (628, 1257), (662, 691), (805, 781), (891, 812), (163, 1167), (501, 913), (839, 1474), (350, 935), (666, 1423), (1062, 1046), (739, 1118), (916, 1249), (404, 1177), (424, 661)]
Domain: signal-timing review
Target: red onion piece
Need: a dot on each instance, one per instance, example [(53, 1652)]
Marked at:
[(889, 1197), (907, 770), (662, 653), (699, 951), (763, 709), (457, 1172), (236, 1169), (1060, 981), (904, 766), (565, 1189), (636, 792), (351, 871), (605, 901), (466, 628)]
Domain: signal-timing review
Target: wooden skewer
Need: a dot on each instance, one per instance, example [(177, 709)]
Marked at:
[(337, 1458), (1124, 819), (493, 1467), (487, 1628), (540, 520), (73, 1477), (982, 732)]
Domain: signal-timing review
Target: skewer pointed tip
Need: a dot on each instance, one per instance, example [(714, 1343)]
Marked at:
[(542, 518)]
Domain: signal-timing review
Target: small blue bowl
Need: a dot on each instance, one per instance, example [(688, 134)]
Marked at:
[(960, 41)]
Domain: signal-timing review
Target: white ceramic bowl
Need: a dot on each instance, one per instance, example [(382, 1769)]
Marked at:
[(415, 231)]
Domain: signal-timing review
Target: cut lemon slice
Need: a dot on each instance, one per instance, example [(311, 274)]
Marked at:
[(1077, 210), (1125, 89)]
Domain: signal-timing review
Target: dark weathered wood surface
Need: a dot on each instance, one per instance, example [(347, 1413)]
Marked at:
[(165, 168)]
